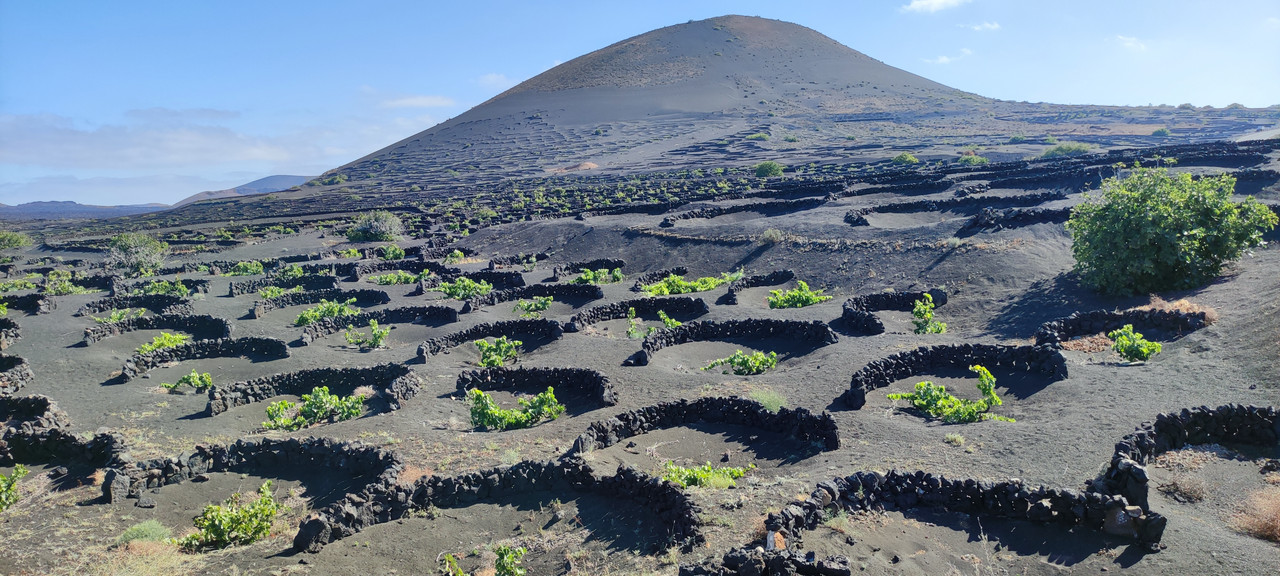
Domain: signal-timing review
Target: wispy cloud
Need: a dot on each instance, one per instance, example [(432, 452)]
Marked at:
[(1273, 22), (495, 80), (949, 59), (932, 5), (1131, 43), (419, 102), (983, 27)]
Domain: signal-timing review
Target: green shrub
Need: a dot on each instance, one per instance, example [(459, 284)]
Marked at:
[(601, 276), (233, 523), (533, 308), (326, 309), (1160, 132), (392, 252), (397, 277), (454, 257), (449, 566), (768, 169), (972, 160), (9, 240), (906, 158), (119, 315), (165, 287), (1017, 139), (194, 380), (674, 284), (164, 340), (148, 531), (315, 407), (9, 486), (271, 292), (486, 414), (668, 321), (761, 136), (15, 285), (1154, 231), (634, 326), (4, 309), (934, 400), (798, 297), (771, 399), (1050, 140), (501, 350), (1131, 346), (376, 226), (705, 475), (508, 561), (249, 268), (746, 364), (58, 283), (923, 312), (377, 338), (349, 253), (464, 288), (1065, 149), (136, 253), (290, 272)]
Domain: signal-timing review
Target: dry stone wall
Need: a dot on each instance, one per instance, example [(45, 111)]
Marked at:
[(253, 347), (202, 327), (406, 315), (771, 207), (813, 332), (1095, 321), (857, 311), (1045, 359), (308, 282), (571, 268), (676, 307), (157, 303), (771, 279), (567, 382), (549, 329), (9, 333), (394, 383), (560, 292), (34, 429), (364, 298), (655, 276), (15, 373)]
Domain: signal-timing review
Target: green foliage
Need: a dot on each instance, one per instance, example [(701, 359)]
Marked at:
[(533, 308), (923, 311), (634, 325), (674, 284), (485, 413), (15, 285), (746, 364), (791, 138), (768, 168), (1154, 231), (906, 158), (233, 523), (449, 566), (798, 297), (376, 226), (136, 253), (165, 287), (1160, 132), (705, 475), (9, 240), (164, 340), (454, 257), (119, 315), (249, 268), (1065, 149), (501, 350), (317, 406), (972, 160), (1017, 139), (761, 136), (349, 253), (398, 277), (270, 292), (464, 288), (326, 309), (392, 252), (148, 531), (668, 321), (4, 309), (194, 380), (601, 276), (934, 400), (771, 399), (58, 283), (1131, 346), (9, 486), (376, 340), (508, 562), (290, 272)]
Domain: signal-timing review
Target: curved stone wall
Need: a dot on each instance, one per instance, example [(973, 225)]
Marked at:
[(1095, 321), (363, 269), (364, 298), (814, 332), (253, 347), (857, 311), (544, 328), (880, 373), (394, 383), (118, 288), (9, 333), (651, 277), (997, 219), (309, 282), (675, 306), (571, 268), (15, 373), (407, 315), (516, 260), (567, 382), (157, 303), (770, 207), (202, 327), (771, 279), (560, 292), (33, 429), (34, 303)]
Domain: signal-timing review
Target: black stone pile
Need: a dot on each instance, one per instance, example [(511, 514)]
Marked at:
[(771, 279), (364, 299), (1044, 359), (812, 332), (9, 332), (252, 347), (857, 311), (675, 307), (992, 219), (34, 429), (559, 292), (15, 372), (541, 328), (157, 303), (393, 383), (581, 382), (203, 327), (438, 315)]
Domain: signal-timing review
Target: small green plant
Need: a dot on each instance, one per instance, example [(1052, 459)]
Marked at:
[(601, 276), (392, 252), (1160, 132), (15, 285), (454, 257), (315, 407), (954, 439), (634, 325), (761, 136), (464, 288), (164, 340), (148, 531), (119, 315), (233, 523), (58, 283), (194, 380), (290, 272), (376, 340), (349, 253), (791, 138), (508, 561), (326, 309), (674, 284), (1066, 149), (533, 308), (746, 364), (272, 292), (4, 309), (9, 486), (496, 353), (1017, 139), (705, 475), (248, 268), (1131, 346), (376, 226), (667, 321), (165, 287), (768, 169), (136, 253), (905, 158), (923, 312), (397, 277), (485, 413), (972, 160), (449, 566), (934, 400), (798, 297), (771, 399)]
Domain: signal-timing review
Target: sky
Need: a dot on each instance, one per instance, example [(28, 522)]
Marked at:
[(135, 102)]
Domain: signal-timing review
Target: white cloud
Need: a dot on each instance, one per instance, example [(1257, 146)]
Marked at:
[(932, 5), (495, 80), (985, 27), (949, 59), (1273, 22), (419, 102), (1131, 43)]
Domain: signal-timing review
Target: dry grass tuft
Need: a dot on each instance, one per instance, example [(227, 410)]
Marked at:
[(1261, 515), (1095, 343), (1185, 489), (1182, 305), (366, 391), (1193, 458), (411, 473), (98, 477)]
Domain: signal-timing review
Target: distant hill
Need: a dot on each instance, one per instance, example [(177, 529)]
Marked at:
[(259, 186), (67, 209)]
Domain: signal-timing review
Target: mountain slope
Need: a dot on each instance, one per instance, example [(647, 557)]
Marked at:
[(259, 186)]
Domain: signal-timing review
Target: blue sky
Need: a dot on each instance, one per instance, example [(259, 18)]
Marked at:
[(131, 102)]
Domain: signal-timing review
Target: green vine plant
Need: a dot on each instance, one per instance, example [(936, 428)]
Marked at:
[(9, 486), (378, 338), (326, 309), (117, 315), (317, 406), (164, 287), (249, 268), (798, 297), (675, 284), (290, 272), (399, 277), (923, 311), (485, 413), (934, 400), (508, 561), (233, 523), (454, 257), (272, 292), (194, 380), (494, 354), (1131, 346), (464, 288), (667, 321), (58, 283), (533, 308), (746, 364), (392, 252), (705, 475), (164, 340), (601, 276)]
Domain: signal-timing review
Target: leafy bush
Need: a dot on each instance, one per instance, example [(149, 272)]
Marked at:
[(934, 400), (349, 253), (4, 308), (1154, 231), (119, 315), (136, 253), (508, 562), (194, 380), (761, 136), (705, 475), (233, 523), (15, 285), (290, 272), (798, 297), (668, 321), (771, 399), (634, 325), (58, 283), (1131, 346), (9, 486), (270, 292), (164, 340), (9, 240), (392, 252), (376, 226), (533, 308), (746, 364), (501, 350), (317, 406), (454, 257), (485, 413), (601, 276), (906, 158), (148, 531), (923, 312), (674, 284), (1065, 149), (249, 268), (464, 288), (768, 168), (973, 160), (398, 277), (1160, 132), (165, 287), (772, 236), (377, 338), (326, 309), (1017, 139)]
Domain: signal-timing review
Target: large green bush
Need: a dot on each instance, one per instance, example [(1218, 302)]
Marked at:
[(376, 226), (1153, 231), (768, 168), (234, 522), (137, 254), (9, 239)]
